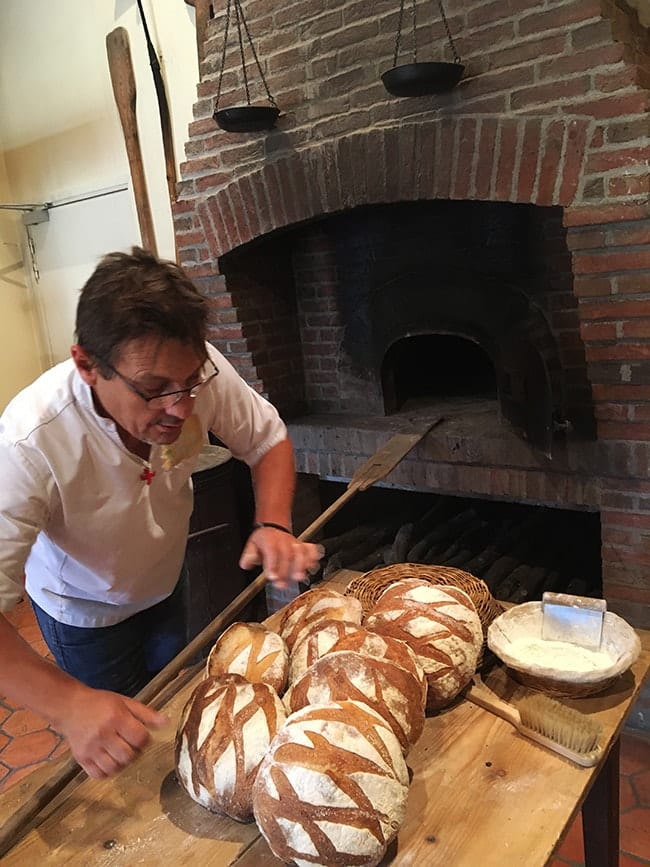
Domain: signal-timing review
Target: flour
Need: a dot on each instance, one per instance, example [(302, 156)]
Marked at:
[(559, 655)]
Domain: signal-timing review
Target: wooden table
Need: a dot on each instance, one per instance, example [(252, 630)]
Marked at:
[(481, 794)]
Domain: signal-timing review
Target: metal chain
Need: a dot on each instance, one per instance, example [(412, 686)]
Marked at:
[(238, 18), (241, 21), (259, 67), (223, 56), (399, 31), (415, 40), (415, 37), (449, 37)]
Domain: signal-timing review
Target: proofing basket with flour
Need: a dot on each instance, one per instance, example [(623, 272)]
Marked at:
[(515, 637)]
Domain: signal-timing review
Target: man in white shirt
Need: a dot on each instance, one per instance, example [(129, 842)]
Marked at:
[(95, 505)]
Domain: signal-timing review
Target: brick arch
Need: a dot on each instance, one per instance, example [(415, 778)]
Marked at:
[(524, 160)]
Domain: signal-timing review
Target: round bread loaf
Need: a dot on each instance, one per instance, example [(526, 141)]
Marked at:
[(223, 734), (441, 626), (252, 650), (389, 689), (317, 641), (332, 788), (383, 647), (314, 605)]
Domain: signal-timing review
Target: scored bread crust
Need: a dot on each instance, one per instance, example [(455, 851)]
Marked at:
[(223, 734), (332, 788), (442, 627), (389, 689), (188, 444), (318, 604), (318, 640), (252, 650), (384, 647)]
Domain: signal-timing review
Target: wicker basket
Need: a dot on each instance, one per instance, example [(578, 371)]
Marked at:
[(369, 587), (559, 688), (509, 635)]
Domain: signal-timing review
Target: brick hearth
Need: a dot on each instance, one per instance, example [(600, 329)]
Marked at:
[(552, 113)]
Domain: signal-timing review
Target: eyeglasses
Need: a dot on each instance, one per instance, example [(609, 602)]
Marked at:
[(168, 398)]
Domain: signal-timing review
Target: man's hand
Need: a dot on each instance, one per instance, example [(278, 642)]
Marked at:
[(106, 731), (281, 555)]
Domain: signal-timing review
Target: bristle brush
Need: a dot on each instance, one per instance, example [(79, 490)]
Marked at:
[(547, 722)]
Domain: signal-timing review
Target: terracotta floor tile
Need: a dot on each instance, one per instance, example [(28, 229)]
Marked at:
[(635, 752), (21, 615), (4, 713), (61, 748), (628, 797), (30, 748), (23, 721), (635, 832), (31, 634), (572, 848), (641, 786), (626, 860)]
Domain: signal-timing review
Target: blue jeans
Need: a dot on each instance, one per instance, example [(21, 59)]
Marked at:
[(123, 657)]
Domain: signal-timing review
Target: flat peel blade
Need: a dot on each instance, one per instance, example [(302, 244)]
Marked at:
[(574, 619)]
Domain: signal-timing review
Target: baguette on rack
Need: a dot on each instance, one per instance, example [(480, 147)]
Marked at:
[(186, 446)]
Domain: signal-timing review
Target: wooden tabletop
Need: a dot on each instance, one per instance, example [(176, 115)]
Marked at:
[(480, 794)]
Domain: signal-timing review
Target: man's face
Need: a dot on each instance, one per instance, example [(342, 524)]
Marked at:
[(153, 366)]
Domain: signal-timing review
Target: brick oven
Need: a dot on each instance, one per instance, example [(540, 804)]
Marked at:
[(482, 254)]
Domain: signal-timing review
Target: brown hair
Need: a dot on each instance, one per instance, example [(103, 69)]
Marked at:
[(131, 295)]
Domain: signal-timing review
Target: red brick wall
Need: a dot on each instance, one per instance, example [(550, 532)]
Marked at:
[(553, 110)]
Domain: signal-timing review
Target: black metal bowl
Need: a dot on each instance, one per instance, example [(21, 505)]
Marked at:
[(247, 118), (422, 79)]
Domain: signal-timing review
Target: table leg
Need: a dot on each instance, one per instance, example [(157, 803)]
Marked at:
[(600, 814)]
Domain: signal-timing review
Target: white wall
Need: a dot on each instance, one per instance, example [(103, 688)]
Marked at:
[(61, 140)]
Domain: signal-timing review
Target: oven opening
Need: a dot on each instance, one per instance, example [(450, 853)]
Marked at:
[(424, 368)]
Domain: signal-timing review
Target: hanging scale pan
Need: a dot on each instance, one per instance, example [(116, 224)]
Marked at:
[(243, 118), (422, 78), (246, 118)]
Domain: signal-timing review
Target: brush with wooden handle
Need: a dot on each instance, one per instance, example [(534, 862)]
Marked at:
[(559, 728)]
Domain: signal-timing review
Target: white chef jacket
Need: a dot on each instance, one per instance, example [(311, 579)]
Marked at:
[(95, 541)]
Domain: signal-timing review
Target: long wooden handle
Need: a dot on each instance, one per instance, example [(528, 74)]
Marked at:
[(18, 824), (124, 90), (11, 832)]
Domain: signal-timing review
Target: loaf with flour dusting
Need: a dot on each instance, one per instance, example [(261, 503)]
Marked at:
[(383, 647), (314, 605), (389, 689), (223, 734), (317, 641), (332, 788), (442, 627), (252, 650)]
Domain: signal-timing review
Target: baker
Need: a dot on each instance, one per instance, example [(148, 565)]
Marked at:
[(96, 458)]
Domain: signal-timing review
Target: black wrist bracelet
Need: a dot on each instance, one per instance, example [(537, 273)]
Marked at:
[(258, 525)]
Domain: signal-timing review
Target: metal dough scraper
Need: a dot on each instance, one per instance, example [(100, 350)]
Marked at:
[(574, 619)]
